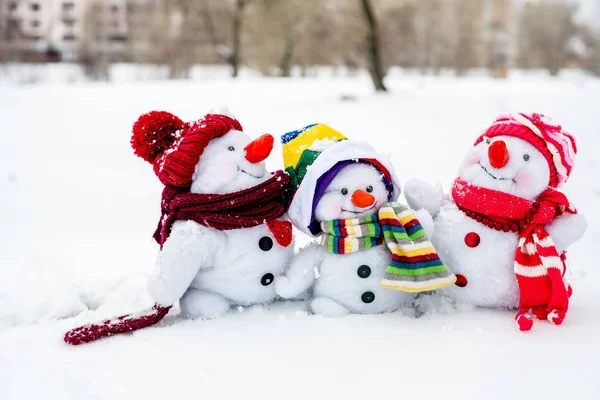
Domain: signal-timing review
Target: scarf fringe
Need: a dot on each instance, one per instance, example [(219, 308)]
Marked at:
[(415, 266)]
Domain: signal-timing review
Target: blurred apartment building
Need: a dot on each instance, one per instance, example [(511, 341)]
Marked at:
[(54, 30)]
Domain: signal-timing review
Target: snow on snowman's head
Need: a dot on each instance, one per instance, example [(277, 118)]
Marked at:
[(507, 164), (357, 190), (232, 162), (210, 155)]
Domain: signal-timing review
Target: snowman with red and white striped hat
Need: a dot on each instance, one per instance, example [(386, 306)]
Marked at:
[(505, 226)]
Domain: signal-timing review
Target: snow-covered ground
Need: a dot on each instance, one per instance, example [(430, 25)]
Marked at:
[(78, 211)]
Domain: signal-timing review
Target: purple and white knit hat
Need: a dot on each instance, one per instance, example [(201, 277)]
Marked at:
[(325, 168)]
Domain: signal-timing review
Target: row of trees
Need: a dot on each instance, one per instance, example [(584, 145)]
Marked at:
[(272, 36)]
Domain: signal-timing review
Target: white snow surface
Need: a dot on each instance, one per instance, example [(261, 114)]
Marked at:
[(78, 210)]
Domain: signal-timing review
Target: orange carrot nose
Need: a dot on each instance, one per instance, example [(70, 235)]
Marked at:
[(362, 199), (259, 149)]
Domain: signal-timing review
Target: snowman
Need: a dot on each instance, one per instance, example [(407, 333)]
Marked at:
[(505, 227), (223, 242), (341, 186)]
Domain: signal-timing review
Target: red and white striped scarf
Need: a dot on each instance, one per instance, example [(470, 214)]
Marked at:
[(539, 268)]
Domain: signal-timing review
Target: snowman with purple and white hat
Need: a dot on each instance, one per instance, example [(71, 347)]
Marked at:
[(373, 253)]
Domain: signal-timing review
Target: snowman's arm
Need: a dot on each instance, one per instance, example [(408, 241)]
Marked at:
[(420, 194), (187, 250), (301, 273), (566, 230), (426, 221)]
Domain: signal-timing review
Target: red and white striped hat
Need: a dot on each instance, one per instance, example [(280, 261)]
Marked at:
[(556, 145)]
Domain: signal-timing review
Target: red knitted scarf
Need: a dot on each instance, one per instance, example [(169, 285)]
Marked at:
[(257, 205), (539, 268)]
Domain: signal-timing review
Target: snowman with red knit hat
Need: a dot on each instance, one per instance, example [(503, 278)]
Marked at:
[(505, 226), (222, 233)]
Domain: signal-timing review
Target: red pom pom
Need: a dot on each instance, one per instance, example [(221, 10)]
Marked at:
[(153, 133), (557, 316), (524, 322)]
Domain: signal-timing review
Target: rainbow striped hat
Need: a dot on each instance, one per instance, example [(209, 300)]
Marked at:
[(301, 148), (312, 156)]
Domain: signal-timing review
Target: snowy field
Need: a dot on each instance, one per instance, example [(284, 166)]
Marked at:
[(78, 211)]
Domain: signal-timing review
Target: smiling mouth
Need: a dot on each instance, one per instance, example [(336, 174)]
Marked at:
[(495, 177), (361, 211), (247, 173)]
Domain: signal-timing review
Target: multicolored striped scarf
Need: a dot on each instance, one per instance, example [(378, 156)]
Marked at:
[(415, 265), (343, 236)]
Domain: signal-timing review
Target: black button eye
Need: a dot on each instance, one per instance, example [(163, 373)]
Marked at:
[(265, 243), (364, 271), (369, 189), (526, 157), (368, 297), (488, 140), (267, 279), (231, 148), (344, 191)]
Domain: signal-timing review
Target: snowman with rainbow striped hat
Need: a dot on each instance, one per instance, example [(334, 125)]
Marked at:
[(373, 252)]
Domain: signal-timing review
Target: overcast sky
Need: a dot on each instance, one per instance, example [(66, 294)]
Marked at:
[(589, 10)]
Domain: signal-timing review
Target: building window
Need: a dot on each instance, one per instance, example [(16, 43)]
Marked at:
[(118, 38), (35, 23), (68, 6), (35, 6), (69, 21), (497, 26), (114, 8), (13, 29), (69, 37), (12, 6)]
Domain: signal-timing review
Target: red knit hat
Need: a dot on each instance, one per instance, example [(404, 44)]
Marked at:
[(556, 145), (174, 147)]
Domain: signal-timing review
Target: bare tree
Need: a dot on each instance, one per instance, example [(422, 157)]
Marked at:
[(590, 38), (334, 36), (432, 40), (93, 43), (399, 34), (231, 54), (468, 16), (372, 43), (545, 30), (288, 23)]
